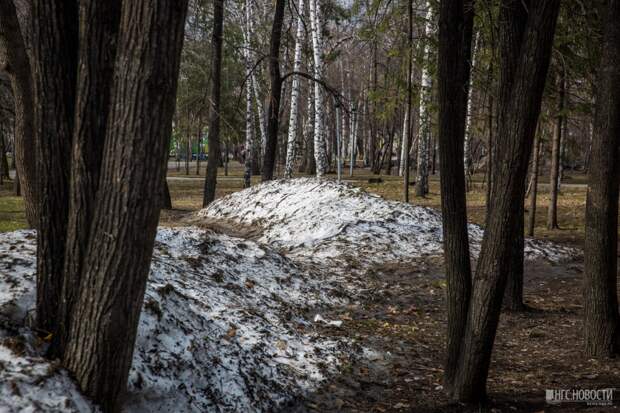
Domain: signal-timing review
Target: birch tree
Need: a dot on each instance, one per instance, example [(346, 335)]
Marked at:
[(320, 154), (291, 147), (424, 137)]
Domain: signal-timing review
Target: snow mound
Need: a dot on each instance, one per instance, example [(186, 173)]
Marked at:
[(322, 219), (222, 329)]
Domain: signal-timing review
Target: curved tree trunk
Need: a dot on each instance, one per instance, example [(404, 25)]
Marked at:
[(214, 122), (454, 73), (531, 26), (18, 68)]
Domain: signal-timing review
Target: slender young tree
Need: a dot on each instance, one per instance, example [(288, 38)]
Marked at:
[(456, 19), (406, 139), (467, 147), (214, 122), (424, 136), (601, 321), (275, 93), (534, 192), (291, 148), (320, 152), (531, 26), (250, 145), (554, 175)]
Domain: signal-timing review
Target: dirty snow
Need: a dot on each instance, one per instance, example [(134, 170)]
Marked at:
[(320, 219), (231, 324), (223, 329)]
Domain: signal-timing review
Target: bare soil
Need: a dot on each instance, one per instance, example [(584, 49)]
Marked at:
[(402, 318)]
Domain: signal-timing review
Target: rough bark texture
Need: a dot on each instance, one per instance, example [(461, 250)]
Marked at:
[(520, 99), (18, 69), (269, 159), (116, 266), (601, 320), (214, 122), (320, 150), (455, 32), (54, 66), (97, 48), (554, 173)]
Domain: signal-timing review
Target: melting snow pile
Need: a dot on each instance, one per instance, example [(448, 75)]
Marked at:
[(320, 219), (221, 330)]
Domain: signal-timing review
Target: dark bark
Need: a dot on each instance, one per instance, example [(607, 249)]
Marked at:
[(116, 266), (97, 48), (513, 295), (269, 157), (214, 121), (534, 191), (455, 33), (54, 35), (521, 89), (554, 173), (19, 71), (165, 198), (601, 320)]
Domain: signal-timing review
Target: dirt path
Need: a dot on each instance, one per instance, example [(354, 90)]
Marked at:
[(402, 319)]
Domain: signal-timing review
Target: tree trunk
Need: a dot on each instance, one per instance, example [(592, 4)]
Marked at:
[(93, 90), (424, 136), (55, 28), (467, 161), (275, 93), (552, 217), (320, 153), (291, 148), (530, 26), (601, 321), (19, 71), (534, 191), (456, 19), (116, 267), (214, 122)]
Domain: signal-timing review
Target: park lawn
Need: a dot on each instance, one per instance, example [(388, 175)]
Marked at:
[(12, 215), (186, 192)]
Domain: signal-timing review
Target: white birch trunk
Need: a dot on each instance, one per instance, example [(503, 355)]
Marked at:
[(249, 124), (320, 154), (403, 155), (291, 149), (425, 130)]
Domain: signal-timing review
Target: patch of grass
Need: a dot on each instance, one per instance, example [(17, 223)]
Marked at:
[(12, 215)]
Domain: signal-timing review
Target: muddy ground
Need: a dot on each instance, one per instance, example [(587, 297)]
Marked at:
[(402, 318)]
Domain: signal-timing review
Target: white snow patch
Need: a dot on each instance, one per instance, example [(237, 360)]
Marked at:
[(222, 329), (321, 219)]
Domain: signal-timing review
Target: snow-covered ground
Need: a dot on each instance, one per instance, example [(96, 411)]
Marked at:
[(319, 220), (222, 330), (227, 322)]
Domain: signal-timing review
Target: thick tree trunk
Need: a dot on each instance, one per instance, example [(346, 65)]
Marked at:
[(456, 19), (275, 92), (521, 89), (214, 121), (54, 35), (554, 174), (19, 71), (534, 192), (601, 321), (97, 41), (120, 247)]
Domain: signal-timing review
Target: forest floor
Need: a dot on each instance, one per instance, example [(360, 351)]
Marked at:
[(397, 314)]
